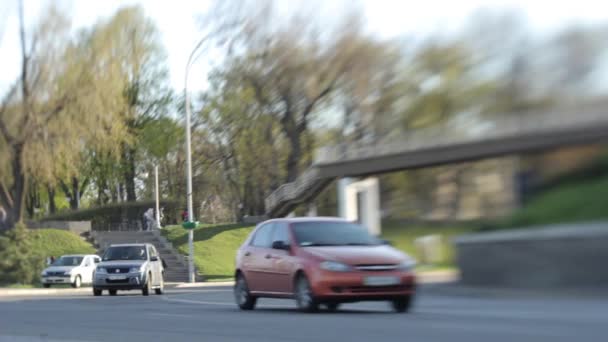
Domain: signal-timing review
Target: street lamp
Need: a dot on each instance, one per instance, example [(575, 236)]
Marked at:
[(191, 276)]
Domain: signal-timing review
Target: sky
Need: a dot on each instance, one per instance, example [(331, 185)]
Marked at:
[(178, 23)]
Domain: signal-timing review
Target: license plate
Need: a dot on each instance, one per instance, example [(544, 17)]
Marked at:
[(117, 277), (381, 281)]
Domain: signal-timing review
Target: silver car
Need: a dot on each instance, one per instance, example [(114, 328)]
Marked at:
[(129, 267)]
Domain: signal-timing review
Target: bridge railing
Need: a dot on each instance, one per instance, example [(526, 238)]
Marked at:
[(497, 126)]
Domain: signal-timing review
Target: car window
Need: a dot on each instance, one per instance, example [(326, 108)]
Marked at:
[(281, 233), (332, 234), (87, 262), (68, 261), (263, 236), (125, 253), (97, 260)]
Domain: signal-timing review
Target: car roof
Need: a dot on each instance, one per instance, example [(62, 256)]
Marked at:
[(310, 219), (78, 255)]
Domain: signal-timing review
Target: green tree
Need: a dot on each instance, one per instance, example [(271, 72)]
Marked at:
[(65, 97)]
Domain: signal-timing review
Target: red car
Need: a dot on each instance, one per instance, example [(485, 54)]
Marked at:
[(317, 261)]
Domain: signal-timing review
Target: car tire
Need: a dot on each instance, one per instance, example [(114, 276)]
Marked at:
[(161, 286), (147, 286), (46, 286), (402, 304), (332, 307), (242, 296), (97, 292), (112, 292), (77, 282), (305, 298)]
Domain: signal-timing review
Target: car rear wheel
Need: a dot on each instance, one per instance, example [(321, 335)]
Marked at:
[(242, 296), (77, 282), (304, 297), (161, 286), (332, 307), (97, 292), (112, 292), (46, 286), (147, 286), (402, 304)]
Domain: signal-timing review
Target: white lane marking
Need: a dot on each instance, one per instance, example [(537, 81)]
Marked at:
[(204, 302)]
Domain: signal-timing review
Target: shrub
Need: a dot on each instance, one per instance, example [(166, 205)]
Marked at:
[(20, 263)]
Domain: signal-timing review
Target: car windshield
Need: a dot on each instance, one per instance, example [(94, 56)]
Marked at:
[(68, 261), (125, 253), (332, 234)]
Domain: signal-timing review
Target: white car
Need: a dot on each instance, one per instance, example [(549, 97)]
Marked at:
[(71, 269)]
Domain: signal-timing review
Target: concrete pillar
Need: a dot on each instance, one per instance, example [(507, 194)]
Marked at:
[(366, 208), (342, 186), (312, 210)]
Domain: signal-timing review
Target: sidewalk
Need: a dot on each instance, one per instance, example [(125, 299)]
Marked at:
[(427, 277)]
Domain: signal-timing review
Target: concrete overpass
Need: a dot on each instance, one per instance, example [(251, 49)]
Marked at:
[(498, 136)]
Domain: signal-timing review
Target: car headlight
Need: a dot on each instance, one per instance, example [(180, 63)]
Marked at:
[(407, 265), (67, 273), (135, 270), (43, 274), (100, 270), (335, 266)]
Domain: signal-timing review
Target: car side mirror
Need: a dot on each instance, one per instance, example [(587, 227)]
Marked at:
[(154, 258), (280, 245)]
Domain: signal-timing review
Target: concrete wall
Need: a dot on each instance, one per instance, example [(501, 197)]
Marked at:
[(78, 227), (554, 256)]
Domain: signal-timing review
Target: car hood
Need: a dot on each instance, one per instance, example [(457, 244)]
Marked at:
[(121, 263), (359, 255), (59, 268)]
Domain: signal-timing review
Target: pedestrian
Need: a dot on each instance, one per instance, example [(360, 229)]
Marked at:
[(185, 215), (148, 219)]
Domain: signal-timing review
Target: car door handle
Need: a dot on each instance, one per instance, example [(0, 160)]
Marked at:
[(269, 256)]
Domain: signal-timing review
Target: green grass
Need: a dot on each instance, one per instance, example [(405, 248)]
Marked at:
[(215, 246), (57, 242), (585, 200)]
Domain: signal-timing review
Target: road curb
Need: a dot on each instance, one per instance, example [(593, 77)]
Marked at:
[(41, 292)]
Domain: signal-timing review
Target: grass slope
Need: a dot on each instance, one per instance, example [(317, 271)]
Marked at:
[(59, 242), (215, 246), (574, 202)]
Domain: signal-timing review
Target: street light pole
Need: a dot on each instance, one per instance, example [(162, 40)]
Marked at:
[(191, 276), (157, 197)]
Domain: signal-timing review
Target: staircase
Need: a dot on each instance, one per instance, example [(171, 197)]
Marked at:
[(177, 265)]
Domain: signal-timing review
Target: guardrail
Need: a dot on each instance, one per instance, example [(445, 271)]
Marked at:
[(495, 127)]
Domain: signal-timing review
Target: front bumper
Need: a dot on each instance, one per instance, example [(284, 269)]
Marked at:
[(123, 281), (57, 279), (352, 286)]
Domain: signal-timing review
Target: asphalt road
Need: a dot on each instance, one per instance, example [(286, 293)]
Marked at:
[(210, 315)]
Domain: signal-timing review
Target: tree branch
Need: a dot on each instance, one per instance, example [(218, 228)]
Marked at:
[(5, 196), (3, 129)]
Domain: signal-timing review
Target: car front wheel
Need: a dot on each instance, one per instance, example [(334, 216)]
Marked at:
[(147, 286), (304, 297), (96, 292), (46, 286), (77, 282)]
